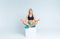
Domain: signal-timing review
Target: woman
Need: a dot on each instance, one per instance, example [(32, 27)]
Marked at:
[(30, 19)]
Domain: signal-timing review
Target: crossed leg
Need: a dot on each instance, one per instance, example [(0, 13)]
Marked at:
[(26, 23), (34, 23)]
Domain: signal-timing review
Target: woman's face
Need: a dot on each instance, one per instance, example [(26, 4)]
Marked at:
[(30, 11)]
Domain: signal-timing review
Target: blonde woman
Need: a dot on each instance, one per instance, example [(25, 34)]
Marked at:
[(31, 20)]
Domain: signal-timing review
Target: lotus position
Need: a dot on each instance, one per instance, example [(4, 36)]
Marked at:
[(31, 20)]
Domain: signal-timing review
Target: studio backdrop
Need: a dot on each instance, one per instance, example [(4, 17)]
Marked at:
[(11, 11)]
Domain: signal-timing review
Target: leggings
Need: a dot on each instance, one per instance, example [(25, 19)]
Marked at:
[(27, 26)]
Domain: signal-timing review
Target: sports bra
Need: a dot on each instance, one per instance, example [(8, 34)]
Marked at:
[(30, 18)]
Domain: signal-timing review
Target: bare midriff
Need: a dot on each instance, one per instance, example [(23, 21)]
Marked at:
[(30, 20)]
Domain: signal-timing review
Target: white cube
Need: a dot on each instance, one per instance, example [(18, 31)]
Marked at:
[(30, 33)]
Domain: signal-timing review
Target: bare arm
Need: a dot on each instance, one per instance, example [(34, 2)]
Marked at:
[(35, 19), (26, 18)]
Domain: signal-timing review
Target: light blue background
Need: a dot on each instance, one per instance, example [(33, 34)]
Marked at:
[(11, 11)]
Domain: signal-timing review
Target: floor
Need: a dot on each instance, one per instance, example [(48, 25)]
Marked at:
[(40, 35)]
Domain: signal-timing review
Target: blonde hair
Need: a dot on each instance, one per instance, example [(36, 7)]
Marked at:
[(29, 11)]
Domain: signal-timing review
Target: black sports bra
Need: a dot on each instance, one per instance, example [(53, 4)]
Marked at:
[(30, 18)]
